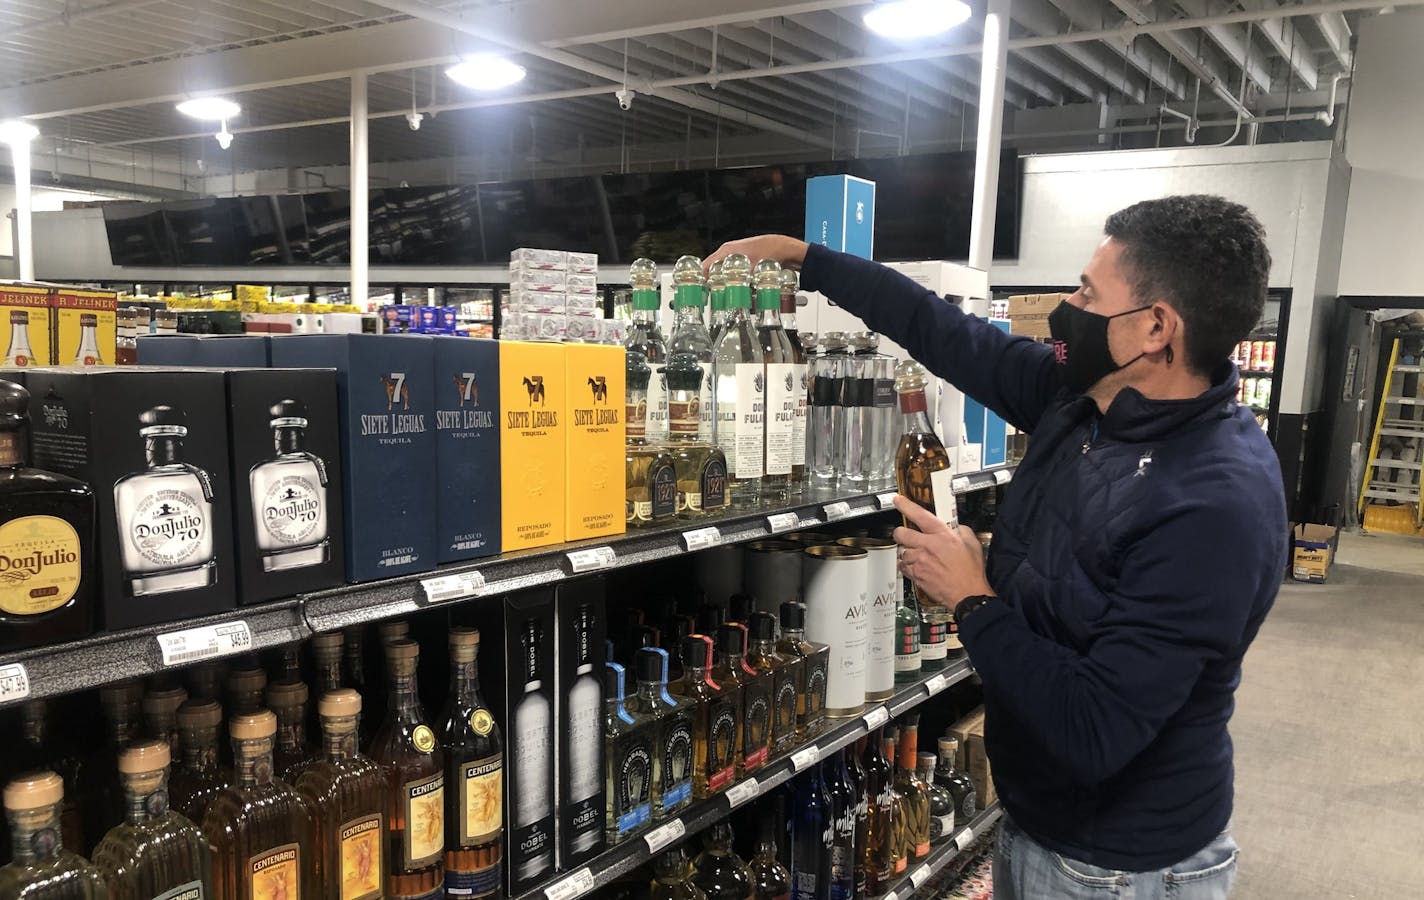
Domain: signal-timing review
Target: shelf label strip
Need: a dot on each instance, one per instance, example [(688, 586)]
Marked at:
[(885, 501), (783, 521), (964, 838), (576, 885), (444, 588), (742, 791), (838, 510), (702, 538), (920, 876), (591, 559), (805, 757), (960, 484), (1003, 476), (14, 682), (936, 684), (664, 835), (193, 644), (876, 718)]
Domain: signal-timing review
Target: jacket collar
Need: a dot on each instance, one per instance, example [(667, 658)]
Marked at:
[(1133, 418)]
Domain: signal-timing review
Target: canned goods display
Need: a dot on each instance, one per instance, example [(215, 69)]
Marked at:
[(1243, 354), (1263, 393), (1268, 358), (882, 591), (833, 581), (1258, 352)]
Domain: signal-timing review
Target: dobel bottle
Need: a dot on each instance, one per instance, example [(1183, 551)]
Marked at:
[(289, 496), (584, 723), (531, 742)]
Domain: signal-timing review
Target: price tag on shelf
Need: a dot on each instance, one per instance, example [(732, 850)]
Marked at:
[(742, 791), (1003, 476), (193, 644), (576, 885), (964, 838), (14, 683), (876, 718), (890, 895), (920, 876), (959, 484), (783, 521), (702, 538), (885, 501), (663, 835), (805, 757), (591, 559), (443, 588), (838, 510), (936, 684)]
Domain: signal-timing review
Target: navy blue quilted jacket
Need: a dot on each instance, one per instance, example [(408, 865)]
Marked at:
[(1136, 554)]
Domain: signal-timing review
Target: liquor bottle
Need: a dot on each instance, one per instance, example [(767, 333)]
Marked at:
[(675, 630), (202, 680), (801, 376), (288, 701), (102, 794), (701, 465), (39, 750), (825, 413), (867, 397), (245, 686), (878, 850), (583, 714), (165, 512), (474, 767), (47, 516), (942, 812), (912, 790), (289, 496), (718, 870), (19, 352), (406, 749), (672, 877), (840, 792), (532, 748), (739, 388), (354, 676), (88, 350), (690, 336), (672, 723), (781, 385), (628, 761), (645, 336), (125, 338), (347, 796), (160, 714), (812, 832), (714, 720), (754, 733), (908, 657), (785, 671), (199, 777), (261, 829), (815, 659), (901, 847), (718, 313), (42, 869), (856, 771), (395, 630), (960, 786), (885, 415), (770, 879), (157, 852), (651, 472), (326, 663)]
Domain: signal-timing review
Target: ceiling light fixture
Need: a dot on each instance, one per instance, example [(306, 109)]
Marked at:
[(209, 109), (904, 20), (486, 72), (15, 132)]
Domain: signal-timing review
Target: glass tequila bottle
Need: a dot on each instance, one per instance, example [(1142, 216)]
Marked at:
[(901, 845), (288, 493), (912, 790), (718, 870), (942, 810), (754, 729), (714, 719), (739, 389), (627, 759), (199, 777), (812, 832), (288, 701), (672, 720), (963, 793), (651, 472), (346, 792), (841, 816), (718, 313), (815, 661), (245, 687), (645, 336), (802, 376), (878, 852), (19, 352), (474, 767), (770, 879), (782, 388), (584, 721), (157, 852), (102, 794), (39, 750), (160, 714), (825, 412), (42, 869), (672, 877), (701, 466), (866, 453), (531, 780), (326, 674), (690, 337), (785, 671)]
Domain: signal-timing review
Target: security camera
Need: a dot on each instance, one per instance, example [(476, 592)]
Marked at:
[(625, 99), (413, 119), (224, 139)]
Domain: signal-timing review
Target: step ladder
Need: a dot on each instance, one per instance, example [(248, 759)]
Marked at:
[(1389, 494)]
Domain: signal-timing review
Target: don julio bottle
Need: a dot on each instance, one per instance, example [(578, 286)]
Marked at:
[(289, 496), (42, 869), (739, 388), (783, 389), (474, 769)]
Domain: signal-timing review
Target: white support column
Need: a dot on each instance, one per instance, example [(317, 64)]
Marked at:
[(991, 126), (24, 235), (360, 193)]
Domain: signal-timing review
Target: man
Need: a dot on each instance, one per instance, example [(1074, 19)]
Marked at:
[(1136, 553)]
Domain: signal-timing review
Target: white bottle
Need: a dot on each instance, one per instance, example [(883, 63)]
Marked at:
[(19, 352), (88, 354), (739, 388), (289, 497), (584, 717), (531, 746)]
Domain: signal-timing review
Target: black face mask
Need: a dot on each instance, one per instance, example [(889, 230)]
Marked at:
[(1080, 344)]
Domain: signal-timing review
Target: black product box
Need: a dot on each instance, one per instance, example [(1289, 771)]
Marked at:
[(581, 648), (154, 446), (467, 448), (228, 351), (286, 476), (387, 411)]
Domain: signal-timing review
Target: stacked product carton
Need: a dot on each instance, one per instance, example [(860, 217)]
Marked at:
[(553, 296)]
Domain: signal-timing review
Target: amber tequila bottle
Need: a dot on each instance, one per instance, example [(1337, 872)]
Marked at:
[(718, 870), (246, 683), (42, 869), (347, 795), (628, 737), (754, 733), (912, 791), (102, 796), (672, 722), (815, 660), (326, 675), (160, 714), (651, 473), (406, 748), (474, 774), (198, 777), (786, 673), (263, 836), (672, 877), (39, 750), (714, 719), (878, 852), (156, 852), (901, 849), (288, 700)]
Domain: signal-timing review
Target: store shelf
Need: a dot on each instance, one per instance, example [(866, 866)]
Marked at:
[(631, 854), (1258, 371), (917, 875)]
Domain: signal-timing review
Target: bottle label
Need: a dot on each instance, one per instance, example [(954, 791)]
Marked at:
[(944, 503), (781, 394), (424, 821), (883, 393), (798, 427), (951, 636), (741, 421), (707, 411), (677, 764), (193, 890), (485, 882), (481, 800), (168, 527), (291, 509), (685, 416), (932, 640), (635, 415), (783, 726), (969, 804), (714, 484), (664, 490), (941, 826), (816, 685), (756, 724), (275, 873), (658, 412), (721, 745), (632, 793), (361, 875), (40, 565)]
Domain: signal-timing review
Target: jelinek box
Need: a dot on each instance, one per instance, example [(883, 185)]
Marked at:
[(25, 325), (532, 445), (86, 329), (467, 448), (594, 404)]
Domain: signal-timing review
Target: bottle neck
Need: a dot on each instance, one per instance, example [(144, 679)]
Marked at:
[(254, 762), (328, 675), (793, 635), (200, 750), (146, 796), (163, 451), (914, 412), (465, 682), (287, 440), (687, 303), (291, 728), (926, 771), (12, 452), (122, 726), (35, 728), (35, 834), (404, 702), (909, 740), (339, 738), (645, 307)]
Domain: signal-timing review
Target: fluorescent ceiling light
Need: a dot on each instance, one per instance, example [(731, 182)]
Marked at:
[(486, 72), (909, 19), (17, 132), (209, 109)]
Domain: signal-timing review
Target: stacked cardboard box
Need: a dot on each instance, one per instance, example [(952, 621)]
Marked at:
[(553, 296), (1028, 313), (972, 758), (46, 324)]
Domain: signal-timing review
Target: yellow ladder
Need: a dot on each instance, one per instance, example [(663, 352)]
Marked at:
[(1392, 476)]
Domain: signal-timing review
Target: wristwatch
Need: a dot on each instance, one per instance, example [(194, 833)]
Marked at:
[(970, 605)]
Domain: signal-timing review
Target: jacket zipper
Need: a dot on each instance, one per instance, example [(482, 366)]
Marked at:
[(1092, 437)]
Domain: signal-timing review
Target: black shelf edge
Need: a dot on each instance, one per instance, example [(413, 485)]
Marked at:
[(634, 852), (909, 884)]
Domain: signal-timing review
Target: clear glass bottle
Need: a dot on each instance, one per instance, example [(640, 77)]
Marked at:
[(645, 336), (717, 300), (288, 491), (87, 353), (165, 512), (782, 387), (531, 742), (261, 829), (42, 869), (812, 832), (690, 336), (40, 750), (672, 732), (160, 714), (584, 721), (672, 877), (199, 776), (815, 662), (739, 389), (866, 452), (802, 377), (785, 672), (406, 749), (718, 870), (125, 338), (960, 786), (714, 720), (288, 700), (651, 481), (474, 769), (19, 353), (245, 686), (912, 790), (346, 792), (825, 412), (942, 812), (770, 879), (755, 687), (157, 852), (628, 736), (701, 466), (878, 850)]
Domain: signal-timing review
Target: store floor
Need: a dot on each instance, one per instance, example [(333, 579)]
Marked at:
[(1328, 733)]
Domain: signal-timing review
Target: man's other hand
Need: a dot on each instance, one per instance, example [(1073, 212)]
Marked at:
[(946, 564)]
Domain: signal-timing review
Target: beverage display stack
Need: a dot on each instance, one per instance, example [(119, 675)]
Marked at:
[(247, 590)]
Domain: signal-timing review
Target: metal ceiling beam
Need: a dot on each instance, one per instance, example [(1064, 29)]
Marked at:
[(1040, 17), (1336, 32), (1087, 16), (1287, 41), (1176, 45), (71, 17), (732, 18), (1232, 39)]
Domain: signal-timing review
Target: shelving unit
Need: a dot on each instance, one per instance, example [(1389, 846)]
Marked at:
[(109, 657), (940, 856), (631, 854)]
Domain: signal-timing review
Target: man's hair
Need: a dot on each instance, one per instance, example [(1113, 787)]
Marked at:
[(1203, 255)]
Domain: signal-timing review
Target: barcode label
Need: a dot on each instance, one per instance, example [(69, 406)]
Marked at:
[(660, 837), (891, 895), (1003, 476), (576, 885), (964, 838), (920, 876), (14, 683), (783, 521), (876, 718), (960, 484), (444, 588), (702, 538), (742, 791), (838, 510), (936, 684), (592, 559), (803, 758), (885, 501), (193, 644)]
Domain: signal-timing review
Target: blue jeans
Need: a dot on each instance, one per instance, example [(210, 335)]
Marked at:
[(1026, 870)]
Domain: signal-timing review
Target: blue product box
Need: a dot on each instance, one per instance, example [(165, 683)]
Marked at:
[(428, 319), (449, 318), (983, 426), (467, 448), (385, 397), (840, 214), (399, 319), (228, 351)]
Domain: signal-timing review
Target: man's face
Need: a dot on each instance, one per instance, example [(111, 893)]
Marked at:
[(1104, 290)]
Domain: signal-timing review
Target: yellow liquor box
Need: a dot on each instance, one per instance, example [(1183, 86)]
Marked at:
[(532, 416), (596, 433), (85, 327), (25, 325)]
